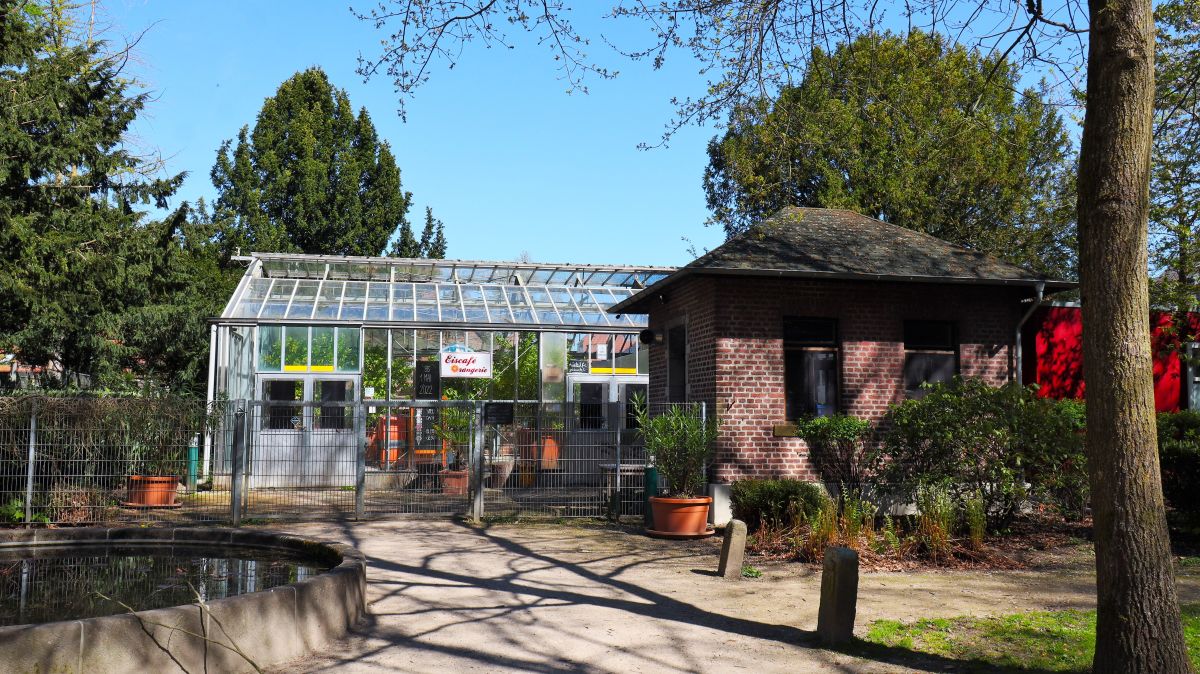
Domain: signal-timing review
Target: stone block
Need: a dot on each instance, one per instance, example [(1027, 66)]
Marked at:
[(162, 640), (53, 647), (839, 596), (733, 551)]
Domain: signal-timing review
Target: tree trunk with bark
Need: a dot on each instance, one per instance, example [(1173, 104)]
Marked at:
[(1138, 626)]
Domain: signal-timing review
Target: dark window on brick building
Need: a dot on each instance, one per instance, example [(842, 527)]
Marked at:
[(810, 366), (677, 364), (930, 354)]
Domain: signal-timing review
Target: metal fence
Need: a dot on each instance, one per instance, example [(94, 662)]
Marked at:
[(75, 461)]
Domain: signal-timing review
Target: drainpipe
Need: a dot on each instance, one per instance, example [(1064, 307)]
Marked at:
[(1037, 302), (212, 393)]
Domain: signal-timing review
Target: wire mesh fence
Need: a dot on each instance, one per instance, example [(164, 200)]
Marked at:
[(123, 460)]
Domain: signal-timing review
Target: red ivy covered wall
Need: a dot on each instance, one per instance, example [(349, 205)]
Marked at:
[(1053, 354)]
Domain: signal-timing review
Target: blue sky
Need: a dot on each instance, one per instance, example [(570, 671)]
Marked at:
[(506, 159)]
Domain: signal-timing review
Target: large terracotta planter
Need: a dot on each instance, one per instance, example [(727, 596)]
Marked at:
[(680, 517), (454, 482), (152, 491)]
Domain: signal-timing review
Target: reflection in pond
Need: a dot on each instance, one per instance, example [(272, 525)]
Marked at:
[(49, 584)]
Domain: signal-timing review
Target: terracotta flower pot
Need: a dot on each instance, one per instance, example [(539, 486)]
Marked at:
[(502, 467), (680, 516), (454, 482), (152, 491)]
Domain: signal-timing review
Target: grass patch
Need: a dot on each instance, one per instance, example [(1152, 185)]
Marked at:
[(751, 572), (1048, 641)]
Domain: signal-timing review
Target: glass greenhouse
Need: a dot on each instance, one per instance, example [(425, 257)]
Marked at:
[(305, 336)]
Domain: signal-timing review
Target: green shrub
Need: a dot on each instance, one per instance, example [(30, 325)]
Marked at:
[(967, 437), (836, 447), (1179, 458), (778, 503), (822, 532), (976, 518)]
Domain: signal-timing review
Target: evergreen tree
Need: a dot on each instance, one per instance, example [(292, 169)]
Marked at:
[(77, 253), (433, 238), (405, 245), (912, 131), (1175, 179), (311, 177)]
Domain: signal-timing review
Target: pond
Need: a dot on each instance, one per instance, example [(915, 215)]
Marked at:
[(51, 584)]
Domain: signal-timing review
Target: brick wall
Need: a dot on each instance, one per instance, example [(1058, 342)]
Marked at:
[(735, 352)]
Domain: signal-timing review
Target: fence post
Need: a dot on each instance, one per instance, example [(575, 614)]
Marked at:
[(238, 460), (477, 462), (32, 461), (360, 459)]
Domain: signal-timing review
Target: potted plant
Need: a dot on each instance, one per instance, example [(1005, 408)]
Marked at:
[(453, 428), (679, 444), (153, 476)]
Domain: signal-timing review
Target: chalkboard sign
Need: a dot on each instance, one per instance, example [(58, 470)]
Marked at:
[(428, 380), (500, 414), (578, 366)]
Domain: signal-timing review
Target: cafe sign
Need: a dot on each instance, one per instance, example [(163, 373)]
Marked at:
[(466, 364)]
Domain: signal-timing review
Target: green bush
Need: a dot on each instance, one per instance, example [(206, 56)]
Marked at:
[(777, 503), (837, 445), (967, 437), (1179, 458)]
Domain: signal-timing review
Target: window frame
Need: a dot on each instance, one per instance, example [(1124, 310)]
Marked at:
[(797, 408), (914, 346)]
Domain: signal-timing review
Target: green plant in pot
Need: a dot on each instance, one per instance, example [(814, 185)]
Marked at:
[(679, 442), (154, 474), (453, 428)]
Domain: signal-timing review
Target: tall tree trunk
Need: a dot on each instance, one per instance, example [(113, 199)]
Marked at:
[(1138, 626)]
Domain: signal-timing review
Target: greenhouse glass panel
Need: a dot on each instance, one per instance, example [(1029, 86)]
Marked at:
[(528, 373), (275, 306), (521, 311), (330, 300), (348, 350), (403, 361), (625, 354), (270, 348), (375, 364), (321, 350), (546, 313), (378, 301), (303, 300), (252, 300), (402, 302), (553, 361), (451, 308), (295, 348), (353, 300), (427, 309)]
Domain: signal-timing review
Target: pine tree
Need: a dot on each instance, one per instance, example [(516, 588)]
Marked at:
[(311, 176)]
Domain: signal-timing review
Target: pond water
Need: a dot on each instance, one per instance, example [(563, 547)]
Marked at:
[(49, 584)]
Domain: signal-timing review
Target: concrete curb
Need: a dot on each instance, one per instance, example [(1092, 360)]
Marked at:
[(267, 627)]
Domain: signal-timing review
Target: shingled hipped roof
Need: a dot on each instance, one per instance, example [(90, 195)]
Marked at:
[(840, 244)]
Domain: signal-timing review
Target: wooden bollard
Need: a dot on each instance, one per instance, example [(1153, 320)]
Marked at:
[(839, 596), (733, 551)]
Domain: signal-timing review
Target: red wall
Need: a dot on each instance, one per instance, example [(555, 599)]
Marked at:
[(1054, 354)]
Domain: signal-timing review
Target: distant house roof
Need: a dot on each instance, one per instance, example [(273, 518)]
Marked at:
[(840, 244)]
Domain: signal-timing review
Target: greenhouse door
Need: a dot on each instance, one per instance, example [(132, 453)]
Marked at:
[(304, 432)]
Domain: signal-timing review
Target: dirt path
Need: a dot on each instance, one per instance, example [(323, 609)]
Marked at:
[(447, 597)]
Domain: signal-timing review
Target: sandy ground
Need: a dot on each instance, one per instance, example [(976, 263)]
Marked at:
[(448, 597)]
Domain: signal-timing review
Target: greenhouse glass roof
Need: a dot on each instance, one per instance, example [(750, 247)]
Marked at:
[(435, 292)]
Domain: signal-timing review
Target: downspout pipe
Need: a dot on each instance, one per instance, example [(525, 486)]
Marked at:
[(1015, 374)]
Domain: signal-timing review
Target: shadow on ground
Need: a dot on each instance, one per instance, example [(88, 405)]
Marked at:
[(457, 597)]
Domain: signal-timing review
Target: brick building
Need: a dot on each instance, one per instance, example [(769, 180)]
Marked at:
[(817, 311)]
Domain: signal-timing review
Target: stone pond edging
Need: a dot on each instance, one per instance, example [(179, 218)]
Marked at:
[(267, 627)]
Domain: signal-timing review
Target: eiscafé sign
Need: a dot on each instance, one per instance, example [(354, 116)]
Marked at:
[(466, 364)]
